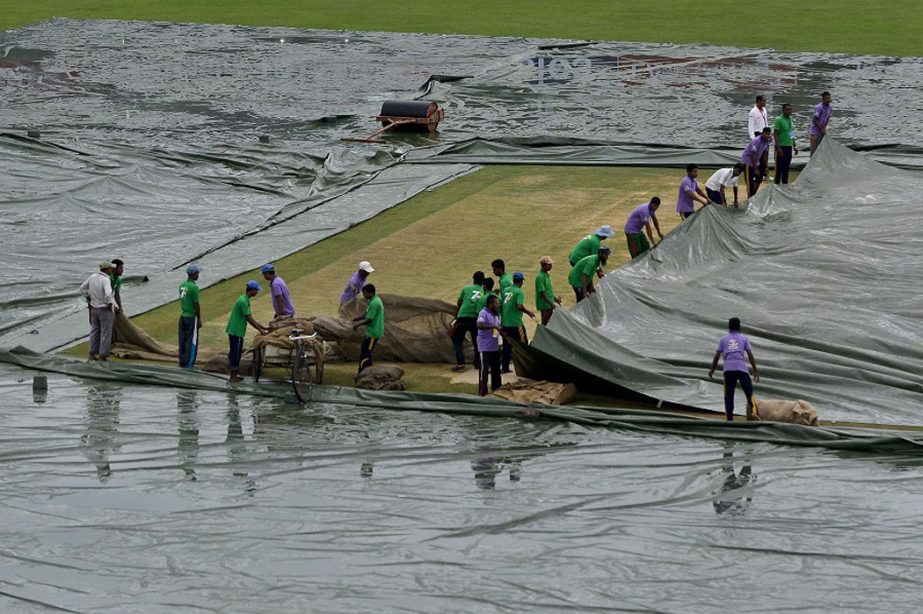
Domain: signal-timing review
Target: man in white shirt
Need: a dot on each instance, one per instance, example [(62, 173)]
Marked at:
[(721, 179), (759, 119), (97, 289)]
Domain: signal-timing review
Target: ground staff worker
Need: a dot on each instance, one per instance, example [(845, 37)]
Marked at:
[(237, 328), (545, 300), (784, 132), (589, 245), (190, 317), (466, 320), (640, 219), (97, 289), (581, 276), (514, 305), (374, 322), (733, 346), (754, 157), (488, 323)]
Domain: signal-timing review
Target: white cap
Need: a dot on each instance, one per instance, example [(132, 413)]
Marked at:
[(365, 266)]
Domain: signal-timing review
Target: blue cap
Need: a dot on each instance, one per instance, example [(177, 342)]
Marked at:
[(518, 276), (192, 269), (254, 285), (267, 268)]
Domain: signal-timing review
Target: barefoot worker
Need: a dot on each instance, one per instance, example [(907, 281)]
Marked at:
[(722, 179), (545, 300), (514, 305), (733, 346), (466, 320), (581, 276), (690, 192), (190, 317), (640, 219), (237, 328), (589, 245), (374, 322)]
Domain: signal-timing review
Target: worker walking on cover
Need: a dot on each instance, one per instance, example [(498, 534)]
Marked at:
[(489, 345), (356, 282), (783, 130), (97, 289), (237, 328), (514, 305), (581, 276), (545, 300), (690, 192), (822, 114), (466, 320), (589, 245), (640, 219), (190, 317), (720, 181), (374, 322), (281, 298), (754, 159), (733, 347)]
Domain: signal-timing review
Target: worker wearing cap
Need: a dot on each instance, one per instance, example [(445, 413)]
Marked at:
[(514, 305), (374, 322), (545, 300), (237, 328), (190, 317), (356, 282), (281, 299), (97, 289), (589, 245), (581, 276)]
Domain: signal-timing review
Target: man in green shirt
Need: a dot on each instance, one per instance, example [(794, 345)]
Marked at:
[(237, 328), (505, 279), (488, 290), (581, 276), (466, 320), (783, 131), (514, 305), (589, 245), (545, 300), (190, 317), (374, 322)]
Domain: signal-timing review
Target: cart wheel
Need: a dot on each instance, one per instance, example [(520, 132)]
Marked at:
[(301, 377), (257, 364)]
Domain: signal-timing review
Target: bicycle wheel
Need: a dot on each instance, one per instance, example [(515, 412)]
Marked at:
[(301, 376)]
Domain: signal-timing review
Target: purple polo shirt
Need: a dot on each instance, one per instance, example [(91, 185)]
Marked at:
[(684, 203), (278, 288), (822, 114), (756, 146), (638, 218), (353, 288), (488, 339), (733, 347)]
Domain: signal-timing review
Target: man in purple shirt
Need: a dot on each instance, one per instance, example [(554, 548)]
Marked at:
[(733, 346), (281, 299), (822, 114), (689, 192), (755, 157), (356, 282), (639, 219), (489, 331)]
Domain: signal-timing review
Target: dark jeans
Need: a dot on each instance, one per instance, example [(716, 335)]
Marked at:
[(236, 351), (546, 315), (515, 332), (465, 326), (714, 196), (783, 163), (754, 178), (578, 292), (730, 385), (490, 366), (365, 353), (188, 337)]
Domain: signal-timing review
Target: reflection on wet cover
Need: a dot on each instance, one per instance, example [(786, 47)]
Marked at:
[(487, 468), (98, 441), (187, 402), (734, 496), (237, 446)]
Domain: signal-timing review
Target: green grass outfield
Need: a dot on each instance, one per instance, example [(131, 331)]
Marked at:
[(848, 26)]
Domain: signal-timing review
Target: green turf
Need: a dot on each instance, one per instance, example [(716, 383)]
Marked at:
[(850, 26)]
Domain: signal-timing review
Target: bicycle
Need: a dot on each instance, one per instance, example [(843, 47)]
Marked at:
[(302, 357)]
